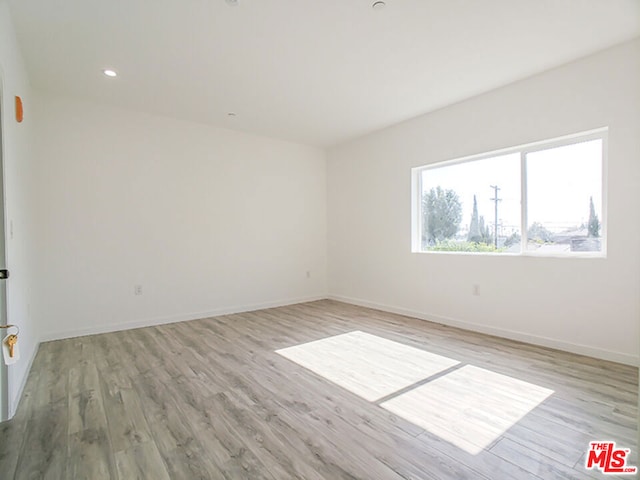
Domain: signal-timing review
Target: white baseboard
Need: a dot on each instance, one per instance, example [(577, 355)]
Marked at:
[(15, 401), (475, 327), (150, 322), (499, 332)]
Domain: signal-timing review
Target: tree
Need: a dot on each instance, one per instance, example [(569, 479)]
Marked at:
[(478, 231), (593, 225), (474, 226), (512, 239), (537, 232), (485, 233), (441, 215)]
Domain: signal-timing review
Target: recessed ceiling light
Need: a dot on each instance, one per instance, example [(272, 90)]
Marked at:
[(233, 3), (110, 73), (231, 114), (378, 5)]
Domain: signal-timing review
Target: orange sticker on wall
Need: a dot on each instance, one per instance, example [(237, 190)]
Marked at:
[(19, 110)]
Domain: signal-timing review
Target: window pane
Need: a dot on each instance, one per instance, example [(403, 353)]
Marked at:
[(459, 210), (564, 199)]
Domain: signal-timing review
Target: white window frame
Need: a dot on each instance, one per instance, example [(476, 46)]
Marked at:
[(524, 150)]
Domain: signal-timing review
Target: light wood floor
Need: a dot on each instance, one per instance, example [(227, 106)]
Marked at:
[(212, 399)]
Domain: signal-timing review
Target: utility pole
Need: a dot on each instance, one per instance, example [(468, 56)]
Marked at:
[(495, 199)]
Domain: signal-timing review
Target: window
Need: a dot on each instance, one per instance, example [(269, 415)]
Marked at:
[(541, 199)]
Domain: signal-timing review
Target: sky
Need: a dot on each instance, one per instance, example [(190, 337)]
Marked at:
[(560, 182)]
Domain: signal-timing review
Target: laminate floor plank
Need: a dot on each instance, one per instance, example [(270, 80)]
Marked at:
[(90, 455), (43, 454), (86, 411), (83, 377), (184, 455), (13, 432), (277, 394), (539, 464), (141, 462), (126, 421)]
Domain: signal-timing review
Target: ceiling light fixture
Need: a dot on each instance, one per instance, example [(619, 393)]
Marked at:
[(110, 73), (233, 3), (378, 5)]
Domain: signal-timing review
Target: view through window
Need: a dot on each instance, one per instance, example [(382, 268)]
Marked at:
[(545, 198)]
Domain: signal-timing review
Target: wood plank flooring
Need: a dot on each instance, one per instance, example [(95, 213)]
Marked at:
[(211, 399)]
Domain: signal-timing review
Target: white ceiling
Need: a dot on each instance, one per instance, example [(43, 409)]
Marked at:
[(312, 71)]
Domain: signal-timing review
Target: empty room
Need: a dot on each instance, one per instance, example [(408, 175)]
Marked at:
[(304, 239)]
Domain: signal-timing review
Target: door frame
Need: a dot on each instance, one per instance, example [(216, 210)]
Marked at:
[(4, 377)]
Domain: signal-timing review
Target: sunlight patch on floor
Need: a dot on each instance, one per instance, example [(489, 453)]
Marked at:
[(367, 365), (470, 407)]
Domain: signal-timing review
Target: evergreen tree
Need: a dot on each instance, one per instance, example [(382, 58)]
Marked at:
[(475, 234), (485, 233), (593, 225)]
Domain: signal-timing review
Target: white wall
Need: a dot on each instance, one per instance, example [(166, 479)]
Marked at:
[(19, 203), (207, 220), (584, 305)]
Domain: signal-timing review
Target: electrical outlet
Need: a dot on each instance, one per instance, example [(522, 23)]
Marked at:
[(476, 289), (137, 290)]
